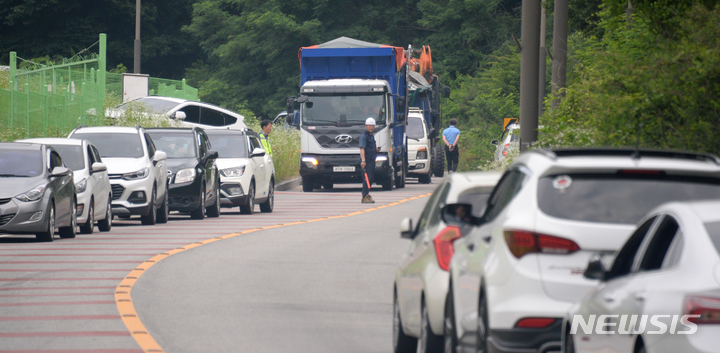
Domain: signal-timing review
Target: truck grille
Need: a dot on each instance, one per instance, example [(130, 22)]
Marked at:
[(326, 136), (4, 219), (117, 191)]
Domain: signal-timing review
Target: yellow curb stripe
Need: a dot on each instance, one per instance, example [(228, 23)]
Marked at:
[(124, 302)]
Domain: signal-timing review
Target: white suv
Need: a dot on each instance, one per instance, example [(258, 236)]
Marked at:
[(514, 277), (138, 172)]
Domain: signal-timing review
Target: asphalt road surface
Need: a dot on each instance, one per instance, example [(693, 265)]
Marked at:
[(223, 285)]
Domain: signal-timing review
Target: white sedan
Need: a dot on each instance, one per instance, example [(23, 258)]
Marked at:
[(247, 173), (662, 293)]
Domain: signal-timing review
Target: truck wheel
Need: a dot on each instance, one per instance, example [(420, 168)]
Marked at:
[(438, 161), (400, 181), (425, 178), (307, 185)]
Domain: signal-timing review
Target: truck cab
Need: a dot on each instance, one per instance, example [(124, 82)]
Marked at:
[(419, 146), (332, 118)]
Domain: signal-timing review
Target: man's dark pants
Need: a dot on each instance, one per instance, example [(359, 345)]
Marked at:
[(370, 170), (452, 158)]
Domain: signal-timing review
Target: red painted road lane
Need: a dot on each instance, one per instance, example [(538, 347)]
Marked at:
[(44, 287)]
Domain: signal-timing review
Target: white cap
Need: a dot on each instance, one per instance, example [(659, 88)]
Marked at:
[(370, 121)]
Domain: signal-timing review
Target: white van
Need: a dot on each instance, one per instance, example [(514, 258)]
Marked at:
[(419, 146)]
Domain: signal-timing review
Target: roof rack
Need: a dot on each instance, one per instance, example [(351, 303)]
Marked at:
[(629, 152)]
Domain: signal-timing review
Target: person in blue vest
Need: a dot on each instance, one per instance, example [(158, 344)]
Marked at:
[(451, 136), (368, 152)]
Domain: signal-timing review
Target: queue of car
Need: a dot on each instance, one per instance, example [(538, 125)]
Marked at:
[(99, 173), (527, 270)]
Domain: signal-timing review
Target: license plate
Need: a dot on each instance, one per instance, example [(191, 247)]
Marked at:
[(343, 169)]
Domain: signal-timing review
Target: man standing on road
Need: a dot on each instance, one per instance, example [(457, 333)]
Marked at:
[(266, 126), (451, 136), (368, 152)]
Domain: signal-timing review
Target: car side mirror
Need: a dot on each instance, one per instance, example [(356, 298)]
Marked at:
[(98, 167), (290, 119), (60, 171), (179, 115), (595, 269), (210, 155), (406, 228), (400, 101), (445, 92), (159, 156), (494, 142), (457, 214), (257, 152), (290, 105)]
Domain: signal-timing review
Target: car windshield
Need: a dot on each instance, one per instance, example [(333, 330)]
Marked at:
[(156, 104), (617, 199), (115, 145), (343, 110), (713, 229), (20, 163), (175, 145), (72, 155), (229, 146), (415, 129)]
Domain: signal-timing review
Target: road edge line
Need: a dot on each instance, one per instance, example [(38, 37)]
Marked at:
[(123, 298)]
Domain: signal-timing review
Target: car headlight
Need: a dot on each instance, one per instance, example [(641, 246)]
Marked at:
[(233, 172), (140, 174), (185, 176), (32, 195), (80, 186)]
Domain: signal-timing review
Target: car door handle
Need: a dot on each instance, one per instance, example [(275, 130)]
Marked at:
[(471, 247), (609, 298), (640, 296)]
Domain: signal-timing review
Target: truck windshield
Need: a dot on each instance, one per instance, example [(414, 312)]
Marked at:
[(415, 128), (344, 110)]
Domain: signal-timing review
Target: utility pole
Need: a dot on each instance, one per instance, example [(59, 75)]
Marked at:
[(543, 59), (136, 64), (628, 15), (530, 55), (560, 33)]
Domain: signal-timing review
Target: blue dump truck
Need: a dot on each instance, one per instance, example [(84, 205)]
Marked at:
[(344, 82)]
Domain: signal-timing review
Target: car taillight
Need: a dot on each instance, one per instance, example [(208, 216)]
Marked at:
[(535, 322), (444, 246), (707, 308), (523, 242)]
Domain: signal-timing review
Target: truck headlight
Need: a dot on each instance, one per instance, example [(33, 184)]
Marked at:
[(33, 195), (379, 160), (310, 162), (80, 186), (185, 176), (140, 174), (233, 172)]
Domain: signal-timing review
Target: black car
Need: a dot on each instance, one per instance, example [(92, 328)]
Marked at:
[(193, 175), (37, 192)]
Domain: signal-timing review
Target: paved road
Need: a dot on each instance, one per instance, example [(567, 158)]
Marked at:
[(315, 286)]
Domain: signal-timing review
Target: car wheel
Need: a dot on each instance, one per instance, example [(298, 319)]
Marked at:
[(307, 185), (50, 233), (89, 226), (268, 205), (450, 339), (71, 230), (402, 343), (428, 342), (199, 213), (214, 210), (482, 325), (164, 211), (249, 207), (104, 225), (569, 343), (151, 218)]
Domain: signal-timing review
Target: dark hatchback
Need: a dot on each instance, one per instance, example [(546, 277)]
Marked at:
[(194, 181), (37, 192)]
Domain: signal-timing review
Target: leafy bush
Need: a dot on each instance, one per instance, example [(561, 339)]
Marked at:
[(286, 149)]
